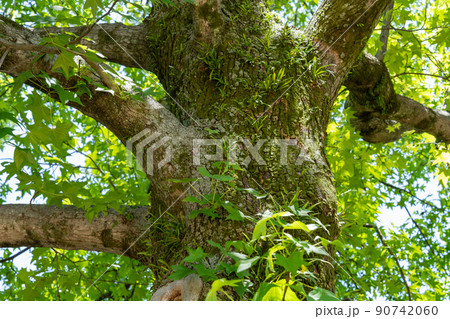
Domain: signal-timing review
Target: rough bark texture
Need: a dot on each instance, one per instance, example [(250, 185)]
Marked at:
[(342, 38), (377, 106), (67, 228), (232, 67), (124, 44)]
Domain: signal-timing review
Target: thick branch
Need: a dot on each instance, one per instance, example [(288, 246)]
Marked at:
[(68, 228), (123, 115), (377, 106), (119, 43), (341, 29), (150, 128)]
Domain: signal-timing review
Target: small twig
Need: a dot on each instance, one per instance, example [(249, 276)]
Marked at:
[(29, 47), (412, 195), (357, 285), (36, 193), (418, 29), (14, 256), (132, 292), (311, 11), (107, 294), (89, 29), (393, 256), (57, 276), (116, 282), (2, 59), (79, 271), (447, 78), (95, 163), (288, 278), (425, 15), (421, 232)]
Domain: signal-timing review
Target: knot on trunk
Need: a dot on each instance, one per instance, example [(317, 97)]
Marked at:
[(187, 289)]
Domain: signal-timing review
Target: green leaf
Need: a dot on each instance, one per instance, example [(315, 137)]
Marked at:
[(309, 248), (23, 275), (222, 178), (179, 272), (235, 214), (8, 116), (207, 274), (192, 199), (105, 89), (261, 228), (291, 263), (205, 211), (299, 211), (6, 131), (254, 193), (216, 245), (41, 112), (66, 95), (20, 80), (218, 285), (262, 290), (204, 172), (93, 5), (320, 294), (195, 255), (240, 245), (23, 157), (245, 264), (297, 225), (66, 62), (280, 292)]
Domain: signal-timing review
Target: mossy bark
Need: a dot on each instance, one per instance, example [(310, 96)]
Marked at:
[(231, 67), (251, 83)]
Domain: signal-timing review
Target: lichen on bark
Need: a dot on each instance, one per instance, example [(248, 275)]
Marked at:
[(254, 84)]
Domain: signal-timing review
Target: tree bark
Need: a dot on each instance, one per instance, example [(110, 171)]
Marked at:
[(123, 44), (237, 70), (67, 228), (377, 106)]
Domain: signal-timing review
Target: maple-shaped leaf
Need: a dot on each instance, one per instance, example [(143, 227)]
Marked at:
[(65, 61), (94, 5)]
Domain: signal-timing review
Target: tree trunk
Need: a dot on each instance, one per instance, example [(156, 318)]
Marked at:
[(237, 70), (264, 90)]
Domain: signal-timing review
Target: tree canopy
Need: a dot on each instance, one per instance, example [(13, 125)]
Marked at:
[(386, 143)]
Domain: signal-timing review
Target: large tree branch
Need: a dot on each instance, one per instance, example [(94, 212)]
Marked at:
[(68, 228), (341, 28), (150, 128), (119, 43), (377, 106), (122, 114)]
